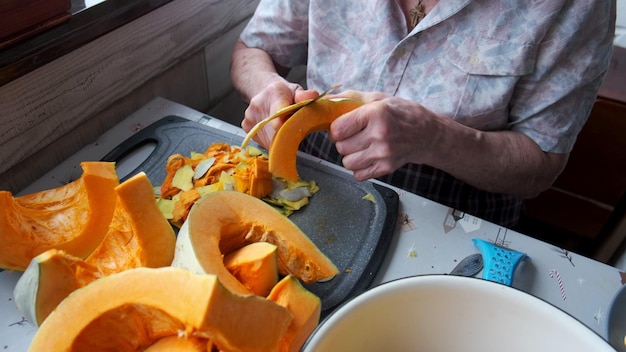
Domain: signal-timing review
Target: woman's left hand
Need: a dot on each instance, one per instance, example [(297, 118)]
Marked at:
[(384, 134)]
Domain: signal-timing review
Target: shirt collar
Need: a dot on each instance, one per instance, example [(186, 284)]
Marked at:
[(442, 11)]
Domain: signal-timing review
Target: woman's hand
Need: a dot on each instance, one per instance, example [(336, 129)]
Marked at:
[(388, 132), (384, 134), (272, 98)]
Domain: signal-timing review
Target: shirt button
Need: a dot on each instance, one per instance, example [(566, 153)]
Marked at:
[(399, 52), (474, 60)]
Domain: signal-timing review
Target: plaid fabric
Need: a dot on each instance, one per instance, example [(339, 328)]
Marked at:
[(433, 184)]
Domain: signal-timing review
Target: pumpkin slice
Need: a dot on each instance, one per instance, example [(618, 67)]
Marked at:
[(50, 277), (284, 112), (316, 116), (131, 310), (255, 266), (305, 307), (74, 217), (222, 222), (138, 236)]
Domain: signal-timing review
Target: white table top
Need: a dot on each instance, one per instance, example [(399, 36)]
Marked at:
[(426, 241)]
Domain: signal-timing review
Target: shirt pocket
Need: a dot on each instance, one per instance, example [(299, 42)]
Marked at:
[(485, 71), (490, 57)]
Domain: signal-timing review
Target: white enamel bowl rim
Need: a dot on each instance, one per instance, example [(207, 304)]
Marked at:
[(451, 313), (616, 327)]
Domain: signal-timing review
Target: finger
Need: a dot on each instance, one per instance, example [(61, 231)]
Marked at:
[(357, 142), (348, 124), (251, 118), (365, 174), (365, 170), (353, 94), (365, 97), (264, 137), (348, 94), (371, 162), (362, 168), (305, 94), (357, 161)]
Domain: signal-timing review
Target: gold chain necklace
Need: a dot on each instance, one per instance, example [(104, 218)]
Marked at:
[(417, 14)]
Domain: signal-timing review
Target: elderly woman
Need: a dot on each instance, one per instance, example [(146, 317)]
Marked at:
[(475, 104)]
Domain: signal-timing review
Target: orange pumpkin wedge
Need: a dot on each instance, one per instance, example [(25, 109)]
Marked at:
[(138, 236), (73, 217), (131, 310), (50, 277), (316, 116), (305, 307), (284, 112), (255, 266), (222, 222)]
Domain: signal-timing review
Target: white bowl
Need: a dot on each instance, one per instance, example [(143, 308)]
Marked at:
[(451, 313), (616, 328)]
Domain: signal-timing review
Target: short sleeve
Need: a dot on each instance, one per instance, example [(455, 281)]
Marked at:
[(280, 27), (552, 105)]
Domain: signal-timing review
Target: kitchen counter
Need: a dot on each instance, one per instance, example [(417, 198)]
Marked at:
[(429, 239)]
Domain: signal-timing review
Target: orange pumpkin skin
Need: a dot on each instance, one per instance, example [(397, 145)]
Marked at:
[(131, 310), (138, 236), (222, 222), (316, 116), (74, 217)]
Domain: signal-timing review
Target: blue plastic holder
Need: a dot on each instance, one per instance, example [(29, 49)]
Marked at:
[(499, 262)]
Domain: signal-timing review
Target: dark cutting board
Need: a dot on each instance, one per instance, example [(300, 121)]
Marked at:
[(354, 233)]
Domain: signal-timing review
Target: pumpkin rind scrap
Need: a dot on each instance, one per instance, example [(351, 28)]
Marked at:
[(138, 236), (305, 307), (224, 221), (220, 167), (131, 310), (74, 217), (316, 116)]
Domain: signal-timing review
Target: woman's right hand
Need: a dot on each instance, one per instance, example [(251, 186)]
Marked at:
[(272, 98)]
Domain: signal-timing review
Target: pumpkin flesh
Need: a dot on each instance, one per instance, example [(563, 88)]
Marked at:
[(255, 266), (305, 307), (222, 222), (316, 116), (133, 309), (73, 217), (180, 344), (49, 278), (138, 236)]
